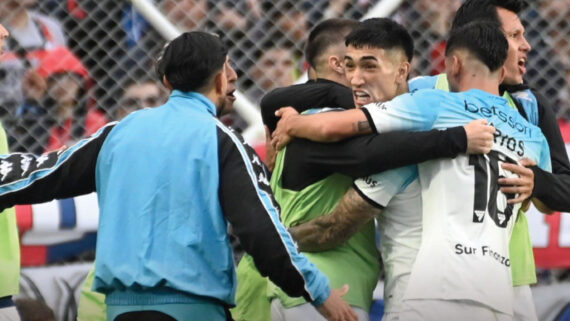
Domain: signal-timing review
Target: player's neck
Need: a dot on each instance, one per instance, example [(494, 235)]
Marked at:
[(333, 76), (486, 84), (403, 88)]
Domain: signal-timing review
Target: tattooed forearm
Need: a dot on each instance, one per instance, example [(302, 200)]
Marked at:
[(331, 230), (363, 126)]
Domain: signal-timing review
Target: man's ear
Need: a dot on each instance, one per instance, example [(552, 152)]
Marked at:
[(404, 71), (456, 66), (335, 63), (220, 83), (503, 74), (166, 83)]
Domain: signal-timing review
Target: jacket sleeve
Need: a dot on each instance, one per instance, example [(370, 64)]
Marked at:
[(553, 188), (366, 155), (249, 206), (29, 179)]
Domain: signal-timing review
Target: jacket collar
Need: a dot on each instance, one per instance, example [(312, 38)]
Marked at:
[(210, 107)]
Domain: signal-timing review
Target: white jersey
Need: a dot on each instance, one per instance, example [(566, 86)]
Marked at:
[(400, 225), (464, 254)]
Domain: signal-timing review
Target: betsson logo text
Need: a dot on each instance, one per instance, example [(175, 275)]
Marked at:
[(501, 115)]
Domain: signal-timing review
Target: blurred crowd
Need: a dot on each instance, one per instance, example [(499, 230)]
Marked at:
[(73, 65)]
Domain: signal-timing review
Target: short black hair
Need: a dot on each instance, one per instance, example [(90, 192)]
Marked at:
[(326, 34), (383, 33), (191, 59), (486, 41), (484, 11)]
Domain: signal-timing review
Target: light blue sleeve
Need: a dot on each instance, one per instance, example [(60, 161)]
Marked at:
[(529, 103), (422, 82), (378, 189), (545, 161), (413, 112)]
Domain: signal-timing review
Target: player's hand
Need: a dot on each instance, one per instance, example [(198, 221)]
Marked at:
[(523, 185), (286, 112), (270, 152), (480, 136), (280, 136), (335, 309)]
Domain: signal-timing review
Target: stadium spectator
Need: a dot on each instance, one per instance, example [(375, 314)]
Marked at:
[(97, 37), (428, 22), (62, 113), (186, 14), (29, 29), (139, 93), (31, 32), (34, 310), (9, 240), (276, 67), (285, 24)]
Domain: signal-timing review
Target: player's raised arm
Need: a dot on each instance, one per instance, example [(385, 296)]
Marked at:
[(322, 127), (248, 204), (415, 112), (29, 179), (329, 231)]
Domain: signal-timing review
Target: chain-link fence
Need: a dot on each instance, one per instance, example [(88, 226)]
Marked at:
[(72, 65)]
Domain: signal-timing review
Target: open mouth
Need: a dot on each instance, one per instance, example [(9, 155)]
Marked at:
[(230, 94), (361, 98), (522, 65)]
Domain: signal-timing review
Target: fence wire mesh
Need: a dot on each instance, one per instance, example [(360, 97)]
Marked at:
[(72, 65)]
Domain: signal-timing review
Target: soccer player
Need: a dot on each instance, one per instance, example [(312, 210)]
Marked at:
[(457, 231), (552, 189), (377, 65), (167, 198), (310, 173), (324, 52)]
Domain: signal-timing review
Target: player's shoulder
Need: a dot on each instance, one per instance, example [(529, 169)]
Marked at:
[(422, 82), (428, 95)]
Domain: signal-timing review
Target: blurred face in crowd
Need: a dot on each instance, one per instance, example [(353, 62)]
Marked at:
[(518, 47), (438, 14), (375, 74), (276, 68), (186, 14), (138, 96), (4, 34), (64, 89), (294, 24), (8, 7)]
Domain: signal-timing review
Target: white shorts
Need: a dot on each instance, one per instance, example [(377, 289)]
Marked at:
[(523, 304), (9, 314), (449, 310), (305, 312)]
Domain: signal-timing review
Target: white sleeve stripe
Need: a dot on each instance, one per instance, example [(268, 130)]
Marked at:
[(263, 198), (44, 172)]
